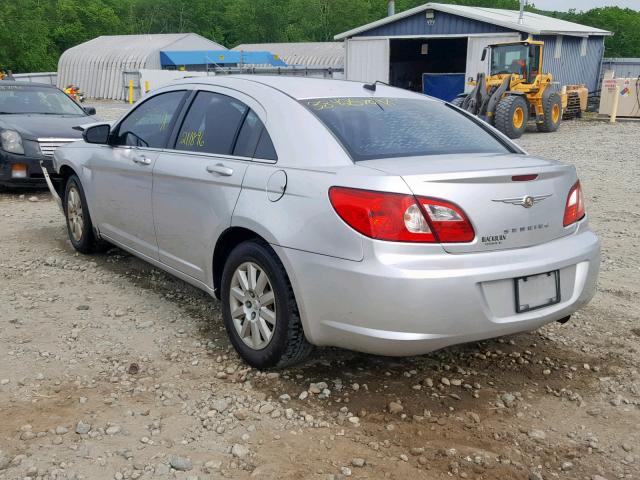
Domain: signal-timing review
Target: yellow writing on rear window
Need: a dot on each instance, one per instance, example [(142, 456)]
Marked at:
[(346, 102), (192, 139)]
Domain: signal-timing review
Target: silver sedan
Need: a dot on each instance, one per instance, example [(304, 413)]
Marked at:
[(337, 213)]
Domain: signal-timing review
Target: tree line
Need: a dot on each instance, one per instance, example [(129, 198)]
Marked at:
[(33, 33)]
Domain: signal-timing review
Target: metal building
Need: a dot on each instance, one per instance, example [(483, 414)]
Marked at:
[(304, 54), (439, 38), (97, 67)]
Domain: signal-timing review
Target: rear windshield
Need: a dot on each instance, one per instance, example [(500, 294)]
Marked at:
[(371, 128)]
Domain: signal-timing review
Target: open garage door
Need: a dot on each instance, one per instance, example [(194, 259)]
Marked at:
[(368, 60), (474, 53)]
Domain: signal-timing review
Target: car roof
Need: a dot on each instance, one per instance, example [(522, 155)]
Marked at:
[(301, 88), (11, 83)]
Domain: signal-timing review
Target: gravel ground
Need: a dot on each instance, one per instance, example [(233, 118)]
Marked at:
[(110, 368)]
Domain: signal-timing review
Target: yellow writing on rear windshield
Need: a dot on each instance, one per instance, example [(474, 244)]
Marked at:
[(346, 102), (192, 139)]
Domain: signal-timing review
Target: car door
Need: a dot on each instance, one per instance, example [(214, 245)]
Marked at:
[(197, 183), (122, 172)]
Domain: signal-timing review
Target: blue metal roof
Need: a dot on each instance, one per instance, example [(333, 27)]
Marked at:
[(218, 57)]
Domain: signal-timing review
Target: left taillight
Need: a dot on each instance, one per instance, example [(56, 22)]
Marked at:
[(574, 209), (400, 217)]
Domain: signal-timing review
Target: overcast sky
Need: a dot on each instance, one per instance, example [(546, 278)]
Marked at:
[(564, 5)]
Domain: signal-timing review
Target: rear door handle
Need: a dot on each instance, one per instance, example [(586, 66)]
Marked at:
[(142, 160), (220, 169)]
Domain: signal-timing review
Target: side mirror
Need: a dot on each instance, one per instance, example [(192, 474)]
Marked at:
[(484, 54), (89, 110), (98, 134)]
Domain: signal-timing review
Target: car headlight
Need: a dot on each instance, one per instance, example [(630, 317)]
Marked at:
[(11, 142)]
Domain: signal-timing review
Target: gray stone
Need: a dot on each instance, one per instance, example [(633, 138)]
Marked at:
[(180, 463), (537, 435), (239, 451), (508, 399), (220, 405), (535, 475), (241, 414), (82, 428), (566, 466)]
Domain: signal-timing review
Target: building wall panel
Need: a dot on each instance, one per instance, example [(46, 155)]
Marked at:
[(571, 67), (444, 24)]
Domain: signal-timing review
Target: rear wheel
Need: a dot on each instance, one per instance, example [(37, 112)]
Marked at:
[(511, 116), (79, 224), (259, 309), (552, 114)]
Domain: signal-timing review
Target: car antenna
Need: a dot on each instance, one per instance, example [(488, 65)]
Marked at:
[(372, 86)]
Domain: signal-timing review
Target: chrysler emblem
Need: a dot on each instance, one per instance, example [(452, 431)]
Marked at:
[(527, 201)]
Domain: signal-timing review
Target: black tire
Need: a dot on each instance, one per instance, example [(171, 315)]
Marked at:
[(504, 118), (288, 344), (86, 242), (551, 121), (458, 101)]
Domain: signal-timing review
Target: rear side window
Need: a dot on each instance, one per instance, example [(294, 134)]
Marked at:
[(265, 147), (249, 136), (253, 140), (149, 124), (371, 128), (212, 124)]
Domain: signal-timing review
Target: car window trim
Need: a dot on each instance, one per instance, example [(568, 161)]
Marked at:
[(173, 138), (171, 126), (240, 126), (220, 156)]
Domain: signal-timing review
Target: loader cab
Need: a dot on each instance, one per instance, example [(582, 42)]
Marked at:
[(520, 58)]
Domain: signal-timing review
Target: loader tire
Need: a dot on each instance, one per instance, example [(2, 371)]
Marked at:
[(552, 114), (458, 101), (511, 116)]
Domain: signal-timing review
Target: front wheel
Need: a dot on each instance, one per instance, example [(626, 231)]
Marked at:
[(511, 116), (79, 224), (259, 309)]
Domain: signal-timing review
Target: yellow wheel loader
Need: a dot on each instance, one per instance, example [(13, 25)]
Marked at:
[(516, 90)]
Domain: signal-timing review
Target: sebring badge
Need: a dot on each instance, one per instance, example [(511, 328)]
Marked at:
[(527, 201)]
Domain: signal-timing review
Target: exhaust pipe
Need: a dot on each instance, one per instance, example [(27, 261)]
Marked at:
[(391, 7), (564, 320)]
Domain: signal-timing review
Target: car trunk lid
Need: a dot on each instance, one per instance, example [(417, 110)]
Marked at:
[(506, 210)]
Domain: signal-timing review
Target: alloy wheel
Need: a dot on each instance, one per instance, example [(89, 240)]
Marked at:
[(75, 214), (253, 305)]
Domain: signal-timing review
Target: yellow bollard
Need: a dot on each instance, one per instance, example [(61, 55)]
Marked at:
[(130, 92), (146, 86), (614, 107)]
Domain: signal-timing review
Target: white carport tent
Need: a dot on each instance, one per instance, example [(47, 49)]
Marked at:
[(97, 66)]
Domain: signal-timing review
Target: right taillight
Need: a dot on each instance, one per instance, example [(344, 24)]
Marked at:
[(574, 210), (400, 217)]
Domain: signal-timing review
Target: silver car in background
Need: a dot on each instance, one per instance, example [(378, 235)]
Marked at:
[(337, 213)]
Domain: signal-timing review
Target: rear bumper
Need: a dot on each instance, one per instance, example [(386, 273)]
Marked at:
[(394, 303), (34, 176)]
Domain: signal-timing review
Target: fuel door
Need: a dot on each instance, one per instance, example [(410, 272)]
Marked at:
[(276, 185)]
